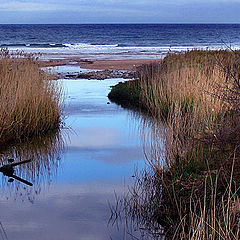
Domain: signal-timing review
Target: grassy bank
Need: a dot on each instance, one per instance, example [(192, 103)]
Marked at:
[(197, 95), (30, 102), (127, 94)]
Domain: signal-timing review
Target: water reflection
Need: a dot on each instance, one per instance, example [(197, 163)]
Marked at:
[(135, 210), (8, 170), (100, 153), (38, 163)]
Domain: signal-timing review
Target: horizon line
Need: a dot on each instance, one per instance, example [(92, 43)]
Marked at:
[(117, 23)]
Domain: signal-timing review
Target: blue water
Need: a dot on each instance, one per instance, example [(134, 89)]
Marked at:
[(76, 179), (119, 40)]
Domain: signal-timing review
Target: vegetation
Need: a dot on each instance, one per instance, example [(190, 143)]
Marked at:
[(196, 94), (30, 104), (127, 94)]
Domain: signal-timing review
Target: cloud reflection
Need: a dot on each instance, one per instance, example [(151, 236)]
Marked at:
[(70, 212), (115, 155), (96, 137)]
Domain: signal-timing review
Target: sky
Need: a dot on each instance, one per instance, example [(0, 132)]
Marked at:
[(119, 11)]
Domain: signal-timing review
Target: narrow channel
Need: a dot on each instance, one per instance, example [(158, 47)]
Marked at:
[(100, 149)]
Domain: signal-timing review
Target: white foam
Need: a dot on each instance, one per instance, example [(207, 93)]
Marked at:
[(114, 51)]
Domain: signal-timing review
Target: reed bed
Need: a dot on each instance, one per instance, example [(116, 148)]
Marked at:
[(196, 95), (30, 103)]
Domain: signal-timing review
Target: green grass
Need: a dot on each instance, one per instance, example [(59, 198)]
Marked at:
[(126, 94)]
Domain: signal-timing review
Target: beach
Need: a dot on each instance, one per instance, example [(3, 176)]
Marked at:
[(126, 65)]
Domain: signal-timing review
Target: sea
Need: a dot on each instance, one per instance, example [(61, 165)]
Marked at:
[(117, 41)]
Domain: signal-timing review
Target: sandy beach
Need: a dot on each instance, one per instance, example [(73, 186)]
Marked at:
[(127, 65)]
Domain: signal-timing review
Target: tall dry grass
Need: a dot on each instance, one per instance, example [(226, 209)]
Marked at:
[(30, 103), (216, 216), (194, 92), (213, 215), (197, 95)]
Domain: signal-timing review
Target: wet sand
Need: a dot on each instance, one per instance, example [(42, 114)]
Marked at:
[(128, 65)]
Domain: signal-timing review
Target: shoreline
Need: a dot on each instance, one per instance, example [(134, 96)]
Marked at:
[(124, 65)]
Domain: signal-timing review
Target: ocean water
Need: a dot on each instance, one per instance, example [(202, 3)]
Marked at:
[(118, 41)]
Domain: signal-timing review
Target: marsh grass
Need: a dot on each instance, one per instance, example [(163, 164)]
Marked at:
[(214, 214), (197, 98), (30, 103), (197, 95), (187, 82), (127, 94)]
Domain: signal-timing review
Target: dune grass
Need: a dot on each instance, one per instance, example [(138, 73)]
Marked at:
[(30, 103)]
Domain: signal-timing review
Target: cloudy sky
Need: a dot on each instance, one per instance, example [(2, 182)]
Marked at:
[(120, 11)]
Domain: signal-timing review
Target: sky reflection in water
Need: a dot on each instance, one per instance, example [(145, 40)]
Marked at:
[(102, 149)]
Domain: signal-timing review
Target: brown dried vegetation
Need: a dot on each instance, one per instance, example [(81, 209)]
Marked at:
[(30, 103), (197, 96)]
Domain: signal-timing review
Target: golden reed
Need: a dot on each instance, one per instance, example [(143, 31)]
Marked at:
[(30, 102), (197, 95)]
